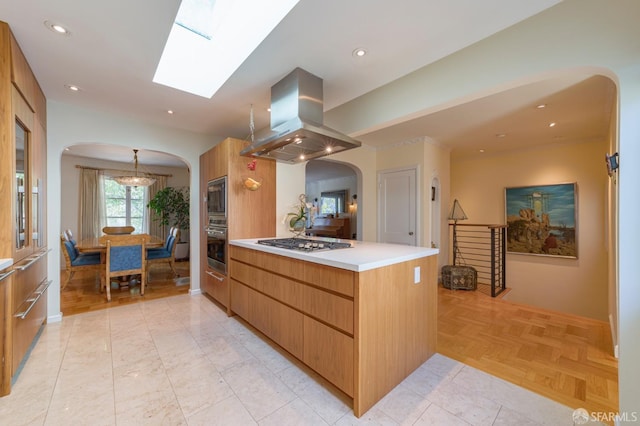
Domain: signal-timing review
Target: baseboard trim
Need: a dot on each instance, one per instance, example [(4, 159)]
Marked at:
[(614, 337), (195, 292), (54, 318)]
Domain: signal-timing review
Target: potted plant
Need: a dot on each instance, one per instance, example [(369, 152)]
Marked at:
[(297, 220), (171, 205)]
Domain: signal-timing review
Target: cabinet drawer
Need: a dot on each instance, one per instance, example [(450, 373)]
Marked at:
[(330, 353), (239, 299), (280, 323), (330, 278), (328, 307), (216, 286), (278, 264), (27, 320), (30, 272), (326, 277)]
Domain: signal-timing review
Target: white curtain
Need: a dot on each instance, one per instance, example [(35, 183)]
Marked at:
[(102, 205), (89, 204)]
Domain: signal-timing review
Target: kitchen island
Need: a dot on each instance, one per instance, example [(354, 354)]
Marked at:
[(363, 317)]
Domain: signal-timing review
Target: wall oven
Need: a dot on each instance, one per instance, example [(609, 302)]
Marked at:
[(217, 248), (217, 201)]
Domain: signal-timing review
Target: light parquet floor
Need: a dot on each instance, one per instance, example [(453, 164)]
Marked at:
[(82, 294), (563, 357)]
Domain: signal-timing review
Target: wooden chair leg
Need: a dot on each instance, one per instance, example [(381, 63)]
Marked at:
[(143, 279), (67, 280), (107, 284)]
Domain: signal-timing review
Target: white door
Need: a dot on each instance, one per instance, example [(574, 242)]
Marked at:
[(397, 207)]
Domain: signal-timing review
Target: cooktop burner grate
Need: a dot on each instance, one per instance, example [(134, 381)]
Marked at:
[(303, 244)]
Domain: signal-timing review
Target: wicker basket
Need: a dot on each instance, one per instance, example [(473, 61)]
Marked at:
[(459, 277)]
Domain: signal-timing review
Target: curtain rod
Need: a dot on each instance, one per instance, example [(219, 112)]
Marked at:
[(78, 166)]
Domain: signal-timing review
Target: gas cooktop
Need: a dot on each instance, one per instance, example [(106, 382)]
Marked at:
[(303, 244)]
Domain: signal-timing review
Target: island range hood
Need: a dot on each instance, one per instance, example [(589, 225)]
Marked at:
[(297, 133)]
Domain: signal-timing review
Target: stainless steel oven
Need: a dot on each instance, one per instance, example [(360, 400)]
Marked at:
[(217, 248), (217, 201)]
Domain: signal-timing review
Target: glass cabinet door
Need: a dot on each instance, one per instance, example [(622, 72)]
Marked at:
[(22, 187)]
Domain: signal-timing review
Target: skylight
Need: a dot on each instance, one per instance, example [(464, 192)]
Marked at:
[(210, 39)]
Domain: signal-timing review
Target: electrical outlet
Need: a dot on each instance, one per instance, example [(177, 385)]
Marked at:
[(416, 275)]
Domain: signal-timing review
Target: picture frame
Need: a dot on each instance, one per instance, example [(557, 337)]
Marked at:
[(542, 220)]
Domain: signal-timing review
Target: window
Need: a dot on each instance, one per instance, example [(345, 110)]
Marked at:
[(332, 202), (124, 205)]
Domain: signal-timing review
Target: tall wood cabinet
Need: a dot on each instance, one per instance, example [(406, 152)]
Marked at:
[(23, 124), (250, 214)]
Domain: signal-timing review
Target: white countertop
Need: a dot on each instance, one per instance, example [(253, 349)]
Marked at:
[(5, 263), (362, 256)]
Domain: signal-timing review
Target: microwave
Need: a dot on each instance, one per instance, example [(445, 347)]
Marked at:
[(217, 200)]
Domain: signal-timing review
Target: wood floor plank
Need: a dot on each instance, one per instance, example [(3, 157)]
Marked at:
[(563, 357), (82, 294)]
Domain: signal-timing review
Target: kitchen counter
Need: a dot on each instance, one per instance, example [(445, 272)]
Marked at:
[(363, 317), (362, 256), (5, 263)]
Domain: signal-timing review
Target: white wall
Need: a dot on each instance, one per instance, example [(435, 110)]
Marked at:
[(576, 286), (69, 125)]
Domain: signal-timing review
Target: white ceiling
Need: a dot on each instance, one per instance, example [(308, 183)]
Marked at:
[(115, 46)]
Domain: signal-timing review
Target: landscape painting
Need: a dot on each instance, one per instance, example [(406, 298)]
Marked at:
[(542, 220)]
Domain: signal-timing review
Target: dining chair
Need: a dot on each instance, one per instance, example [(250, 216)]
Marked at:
[(126, 255), (166, 253), (118, 230), (76, 261)]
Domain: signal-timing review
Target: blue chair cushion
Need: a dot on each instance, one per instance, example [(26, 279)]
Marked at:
[(71, 250), (158, 253), (123, 258), (86, 259), (74, 243)]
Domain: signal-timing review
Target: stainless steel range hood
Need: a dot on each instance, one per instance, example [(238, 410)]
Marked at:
[(297, 133)]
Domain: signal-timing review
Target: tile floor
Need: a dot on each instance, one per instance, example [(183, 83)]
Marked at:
[(182, 361)]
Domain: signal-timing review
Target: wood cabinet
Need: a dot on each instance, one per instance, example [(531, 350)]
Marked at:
[(22, 153), (364, 332), (250, 214), (23, 123)]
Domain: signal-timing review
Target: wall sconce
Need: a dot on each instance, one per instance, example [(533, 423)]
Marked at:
[(612, 163), (353, 206)]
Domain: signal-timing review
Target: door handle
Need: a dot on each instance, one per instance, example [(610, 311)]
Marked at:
[(410, 232)]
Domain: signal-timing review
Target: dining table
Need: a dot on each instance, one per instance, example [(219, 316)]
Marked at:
[(93, 244)]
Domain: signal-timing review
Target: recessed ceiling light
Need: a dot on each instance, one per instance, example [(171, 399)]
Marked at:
[(57, 28), (501, 135), (72, 87), (359, 52), (540, 106), (482, 150), (328, 149), (169, 111), (552, 124), (302, 157)]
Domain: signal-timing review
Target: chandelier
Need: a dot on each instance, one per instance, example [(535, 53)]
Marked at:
[(136, 179)]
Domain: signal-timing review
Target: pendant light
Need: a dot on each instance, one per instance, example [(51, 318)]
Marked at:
[(135, 179)]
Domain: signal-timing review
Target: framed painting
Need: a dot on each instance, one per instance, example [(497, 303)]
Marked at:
[(542, 220)]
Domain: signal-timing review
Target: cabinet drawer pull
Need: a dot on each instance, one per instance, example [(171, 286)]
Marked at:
[(215, 276), (34, 300), (32, 261), (7, 274)]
